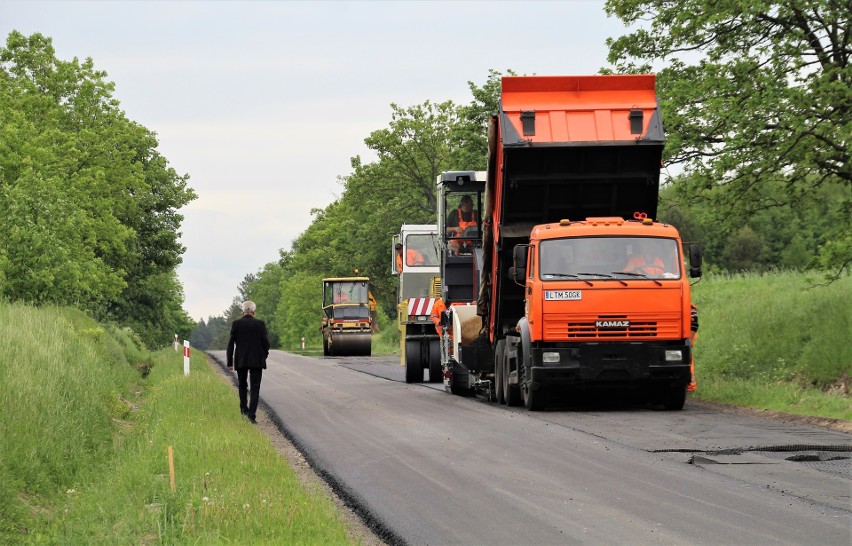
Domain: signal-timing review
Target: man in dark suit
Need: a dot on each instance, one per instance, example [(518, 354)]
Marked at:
[(248, 348)]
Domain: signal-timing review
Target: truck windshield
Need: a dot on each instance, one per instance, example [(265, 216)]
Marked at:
[(609, 258), (345, 292), (463, 209), (420, 250)]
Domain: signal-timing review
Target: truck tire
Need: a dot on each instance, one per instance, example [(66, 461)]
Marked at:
[(436, 375), (498, 371), (534, 399), (324, 345), (413, 362), (511, 393)]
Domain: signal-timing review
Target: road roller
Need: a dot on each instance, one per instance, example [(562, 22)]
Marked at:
[(416, 265), (347, 324)]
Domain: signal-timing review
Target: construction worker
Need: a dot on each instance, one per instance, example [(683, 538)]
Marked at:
[(693, 385), (398, 249), (412, 257), (460, 219), (645, 261), (435, 315)]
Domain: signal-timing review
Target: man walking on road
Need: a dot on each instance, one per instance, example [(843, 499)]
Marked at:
[(248, 348)]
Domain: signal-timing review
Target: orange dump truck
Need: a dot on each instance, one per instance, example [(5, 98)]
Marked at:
[(579, 288)]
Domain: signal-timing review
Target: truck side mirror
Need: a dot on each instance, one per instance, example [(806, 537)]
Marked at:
[(518, 271), (695, 260)]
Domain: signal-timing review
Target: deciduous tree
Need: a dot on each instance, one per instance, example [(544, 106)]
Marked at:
[(752, 93)]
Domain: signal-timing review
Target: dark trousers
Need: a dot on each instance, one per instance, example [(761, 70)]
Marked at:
[(249, 408)]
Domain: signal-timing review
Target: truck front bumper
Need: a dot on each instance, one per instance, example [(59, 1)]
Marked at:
[(611, 364)]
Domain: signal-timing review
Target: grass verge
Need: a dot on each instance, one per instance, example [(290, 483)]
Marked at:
[(87, 462), (776, 341)]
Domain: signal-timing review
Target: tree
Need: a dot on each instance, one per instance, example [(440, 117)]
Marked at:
[(90, 206), (752, 93), (744, 251)]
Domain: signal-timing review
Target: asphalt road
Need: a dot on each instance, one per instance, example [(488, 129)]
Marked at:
[(431, 468)]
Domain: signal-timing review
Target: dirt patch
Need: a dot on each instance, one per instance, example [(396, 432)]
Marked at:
[(838, 425), (358, 532)]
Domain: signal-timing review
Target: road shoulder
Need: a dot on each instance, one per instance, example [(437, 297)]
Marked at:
[(358, 532)]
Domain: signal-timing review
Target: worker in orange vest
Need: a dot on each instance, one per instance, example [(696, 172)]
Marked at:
[(412, 257), (458, 220), (693, 385), (645, 261), (435, 315)]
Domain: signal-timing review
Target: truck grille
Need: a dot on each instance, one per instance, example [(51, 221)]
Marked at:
[(607, 327)]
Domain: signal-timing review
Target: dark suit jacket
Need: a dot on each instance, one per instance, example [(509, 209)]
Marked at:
[(249, 336)]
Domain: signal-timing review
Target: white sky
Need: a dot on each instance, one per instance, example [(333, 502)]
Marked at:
[(264, 103)]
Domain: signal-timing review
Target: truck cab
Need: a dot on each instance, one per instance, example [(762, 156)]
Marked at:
[(607, 304)]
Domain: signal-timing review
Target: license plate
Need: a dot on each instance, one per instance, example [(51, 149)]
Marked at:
[(570, 295)]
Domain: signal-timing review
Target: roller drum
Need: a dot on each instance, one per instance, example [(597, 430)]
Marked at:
[(354, 344)]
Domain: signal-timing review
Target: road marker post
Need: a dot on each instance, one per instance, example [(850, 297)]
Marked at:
[(172, 468), (303, 344), (185, 357), (176, 343)]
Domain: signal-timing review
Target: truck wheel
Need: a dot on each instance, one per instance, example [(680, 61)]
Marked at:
[(413, 364), (534, 399), (511, 393), (436, 375), (498, 371), (673, 398), (324, 345)]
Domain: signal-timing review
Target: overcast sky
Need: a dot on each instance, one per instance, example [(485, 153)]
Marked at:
[(264, 103)]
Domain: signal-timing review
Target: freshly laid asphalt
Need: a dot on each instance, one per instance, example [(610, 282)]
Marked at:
[(425, 467)]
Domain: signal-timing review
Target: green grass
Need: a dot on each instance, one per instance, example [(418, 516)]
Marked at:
[(387, 341), (85, 451), (776, 341)]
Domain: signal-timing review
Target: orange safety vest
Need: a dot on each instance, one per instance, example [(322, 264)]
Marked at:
[(412, 257), (639, 263), (435, 315), (464, 225)]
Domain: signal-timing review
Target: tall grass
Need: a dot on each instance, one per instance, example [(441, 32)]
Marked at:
[(63, 379), (779, 341), (89, 416)]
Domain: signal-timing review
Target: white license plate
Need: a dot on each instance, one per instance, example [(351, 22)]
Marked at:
[(570, 295)]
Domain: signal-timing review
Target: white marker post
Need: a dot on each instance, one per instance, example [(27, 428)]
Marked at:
[(176, 343), (303, 344), (185, 357)]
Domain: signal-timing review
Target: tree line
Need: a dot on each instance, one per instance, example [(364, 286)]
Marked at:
[(89, 205), (756, 105)]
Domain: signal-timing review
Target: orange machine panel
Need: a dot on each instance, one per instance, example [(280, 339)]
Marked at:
[(580, 108)]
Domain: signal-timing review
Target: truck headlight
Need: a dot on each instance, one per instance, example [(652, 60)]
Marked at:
[(674, 355), (550, 357)]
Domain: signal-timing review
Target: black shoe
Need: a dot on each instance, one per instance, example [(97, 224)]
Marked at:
[(252, 419)]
